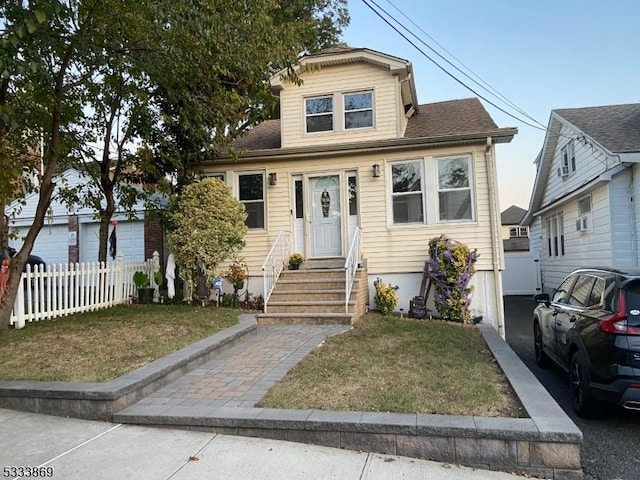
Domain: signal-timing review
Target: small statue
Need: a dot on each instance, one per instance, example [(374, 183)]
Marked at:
[(4, 277)]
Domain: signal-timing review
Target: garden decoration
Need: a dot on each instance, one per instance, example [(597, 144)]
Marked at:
[(4, 277), (143, 285), (450, 269), (237, 274)]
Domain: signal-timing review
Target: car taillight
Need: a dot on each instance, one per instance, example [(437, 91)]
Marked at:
[(617, 323)]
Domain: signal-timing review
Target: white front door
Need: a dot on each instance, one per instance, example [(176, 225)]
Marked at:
[(326, 238)]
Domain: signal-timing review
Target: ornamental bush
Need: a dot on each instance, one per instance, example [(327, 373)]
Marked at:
[(206, 227), (451, 266), (385, 298)]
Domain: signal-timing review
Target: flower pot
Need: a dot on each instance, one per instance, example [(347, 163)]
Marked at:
[(294, 266), (145, 295), (238, 285)]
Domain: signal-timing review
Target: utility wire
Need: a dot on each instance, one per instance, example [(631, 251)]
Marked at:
[(446, 71), (477, 79)]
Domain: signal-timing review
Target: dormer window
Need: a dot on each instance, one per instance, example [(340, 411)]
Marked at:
[(358, 110), (319, 114)]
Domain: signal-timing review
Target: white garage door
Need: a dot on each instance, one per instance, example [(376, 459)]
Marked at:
[(130, 240), (521, 275), (52, 243)]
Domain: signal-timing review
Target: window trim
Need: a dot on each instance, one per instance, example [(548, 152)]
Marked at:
[(332, 113), (470, 179), (555, 235), (567, 159), (263, 173), (345, 111), (420, 162), (430, 190)]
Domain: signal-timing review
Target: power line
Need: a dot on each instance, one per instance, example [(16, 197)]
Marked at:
[(478, 80), (445, 70)]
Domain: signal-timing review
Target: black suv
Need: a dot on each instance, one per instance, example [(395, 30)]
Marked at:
[(591, 329)]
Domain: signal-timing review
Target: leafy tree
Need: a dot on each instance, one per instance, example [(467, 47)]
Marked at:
[(206, 227), (135, 89)]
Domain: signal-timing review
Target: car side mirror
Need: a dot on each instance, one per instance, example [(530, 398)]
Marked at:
[(543, 298)]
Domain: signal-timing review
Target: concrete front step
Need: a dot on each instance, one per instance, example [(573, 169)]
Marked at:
[(305, 306), (322, 263), (311, 295), (298, 285), (312, 318), (321, 274)]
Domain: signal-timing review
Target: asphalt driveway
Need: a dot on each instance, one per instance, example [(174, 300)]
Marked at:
[(610, 448)]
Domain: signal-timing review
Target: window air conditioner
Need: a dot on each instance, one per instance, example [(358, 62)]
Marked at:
[(581, 224)]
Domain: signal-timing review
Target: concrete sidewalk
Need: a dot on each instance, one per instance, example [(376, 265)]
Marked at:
[(80, 449)]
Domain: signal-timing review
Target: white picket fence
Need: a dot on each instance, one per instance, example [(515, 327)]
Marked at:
[(63, 289)]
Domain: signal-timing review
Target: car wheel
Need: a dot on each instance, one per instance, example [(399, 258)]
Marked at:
[(541, 357), (584, 402)]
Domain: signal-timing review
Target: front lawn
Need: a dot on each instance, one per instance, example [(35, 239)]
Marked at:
[(397, 365), (101, 345)]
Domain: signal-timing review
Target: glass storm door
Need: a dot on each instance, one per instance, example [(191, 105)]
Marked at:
[(326, 238)]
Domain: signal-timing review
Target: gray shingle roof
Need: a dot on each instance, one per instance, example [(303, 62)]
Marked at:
[(453, 117), (512, 215), (616, 127)]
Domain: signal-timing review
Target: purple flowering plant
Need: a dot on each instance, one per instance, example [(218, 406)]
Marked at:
[(451, 266)]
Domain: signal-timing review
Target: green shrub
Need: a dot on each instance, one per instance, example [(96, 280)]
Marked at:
[(385, 298)]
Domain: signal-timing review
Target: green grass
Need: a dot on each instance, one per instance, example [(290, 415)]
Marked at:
[(389, 364), (101, 345)]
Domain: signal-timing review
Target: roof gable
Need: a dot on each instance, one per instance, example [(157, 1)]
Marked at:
[(512, 215)]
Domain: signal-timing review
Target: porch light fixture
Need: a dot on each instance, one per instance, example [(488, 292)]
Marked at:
[(376, 170), (273, 178)]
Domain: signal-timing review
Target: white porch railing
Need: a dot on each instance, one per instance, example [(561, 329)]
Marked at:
[(351, 264), (274, 263), (63, 289)]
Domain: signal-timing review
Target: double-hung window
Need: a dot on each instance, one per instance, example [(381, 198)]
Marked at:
[(319, 114), (584, 214), (568, 159), (407, 192), (454, 189), (251, 194), (518, 232), (555, 235), (358, 110)]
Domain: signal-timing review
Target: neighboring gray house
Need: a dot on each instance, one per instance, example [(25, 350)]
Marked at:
[(583, 210), (515, 237)]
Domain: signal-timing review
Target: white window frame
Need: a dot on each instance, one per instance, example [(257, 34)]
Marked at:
[(308, 115), (460, 189), (263, 200), (393, 195), (430, 189), (555, 235), (345, 111), (583, 222), (518, 232), (567, 159)]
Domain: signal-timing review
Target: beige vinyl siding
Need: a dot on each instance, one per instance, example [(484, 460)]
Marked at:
[(388, 248), (352, 78), (590, 162)]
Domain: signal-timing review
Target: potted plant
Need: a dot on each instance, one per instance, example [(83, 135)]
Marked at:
[(295, 259), (237, 273), (143, 284)]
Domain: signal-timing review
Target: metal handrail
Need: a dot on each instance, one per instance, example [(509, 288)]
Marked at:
[(351, 264), (274, 264)]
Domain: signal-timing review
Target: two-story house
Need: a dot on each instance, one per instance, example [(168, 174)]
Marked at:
[(353, 153), (583, 209)]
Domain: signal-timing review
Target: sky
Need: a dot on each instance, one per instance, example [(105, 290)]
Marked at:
[(541, 55)]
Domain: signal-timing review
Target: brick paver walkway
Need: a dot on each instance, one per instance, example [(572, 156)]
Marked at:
[(242, 375)]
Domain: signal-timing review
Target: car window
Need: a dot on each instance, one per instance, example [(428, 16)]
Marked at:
[(562, 293), (581, 290), (610, 297), (595, 298)]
